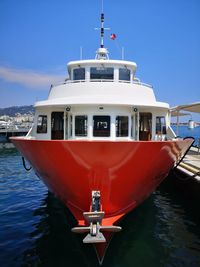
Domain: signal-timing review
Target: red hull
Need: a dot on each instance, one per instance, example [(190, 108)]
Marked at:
[(124, 172)]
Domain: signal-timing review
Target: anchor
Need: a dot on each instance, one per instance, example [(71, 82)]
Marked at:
[(94, 218)]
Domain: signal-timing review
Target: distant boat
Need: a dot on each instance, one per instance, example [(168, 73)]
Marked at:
[(102, 143), (191, 124), (3, 125), (8, 130)]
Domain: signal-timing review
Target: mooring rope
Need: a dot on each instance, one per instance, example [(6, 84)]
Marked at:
[(24, 164)]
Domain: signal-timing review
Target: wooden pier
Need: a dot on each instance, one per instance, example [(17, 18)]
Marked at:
[(191, 164)]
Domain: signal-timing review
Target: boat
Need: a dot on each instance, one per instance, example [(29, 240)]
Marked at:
[(101, 143), (191, 124), (10, 129)]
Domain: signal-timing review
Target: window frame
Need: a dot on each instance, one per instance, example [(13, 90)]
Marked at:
[(118, 129), (129, 75), (95, 129), (80, 76), (101, 76), (85, 134), (42, 129), (161, 125)]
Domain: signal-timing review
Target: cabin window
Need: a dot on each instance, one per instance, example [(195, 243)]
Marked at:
[(124, 74), (57, 125), (102, 73), (160, 125), (101, 126), (121, 126), (81, 125), (42, 124), (145, 126), (79, 74)]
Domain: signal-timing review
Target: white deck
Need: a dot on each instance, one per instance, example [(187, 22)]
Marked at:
[(99, 93)]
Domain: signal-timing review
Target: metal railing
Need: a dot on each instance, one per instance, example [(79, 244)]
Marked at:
[(198, 145), (101, 80)]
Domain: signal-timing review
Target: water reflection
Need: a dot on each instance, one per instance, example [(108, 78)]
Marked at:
[(55, 244), (158, 233), (178, 223)]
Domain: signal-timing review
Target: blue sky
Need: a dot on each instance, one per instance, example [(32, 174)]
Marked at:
[(39, 37)]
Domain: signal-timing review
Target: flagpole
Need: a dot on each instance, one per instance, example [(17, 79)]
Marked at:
[(81, 52)]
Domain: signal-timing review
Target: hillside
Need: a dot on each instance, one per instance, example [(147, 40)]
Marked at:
[(11, 111)]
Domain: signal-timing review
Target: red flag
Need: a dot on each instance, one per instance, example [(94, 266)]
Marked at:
[(113, 36)]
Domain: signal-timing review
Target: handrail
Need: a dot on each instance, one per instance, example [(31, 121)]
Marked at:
[(102, 80)]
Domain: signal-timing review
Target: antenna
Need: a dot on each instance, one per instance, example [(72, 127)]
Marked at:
[(122, 53), (102, 25), (101, 6), (81, 52), (102, 30), (102, 52)]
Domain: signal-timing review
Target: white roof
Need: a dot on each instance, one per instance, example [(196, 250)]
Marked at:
[(62, 102), (193, 107), (98, 93), (92, 62)]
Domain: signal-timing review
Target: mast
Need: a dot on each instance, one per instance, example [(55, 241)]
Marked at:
[(102, 52), (102, 30)]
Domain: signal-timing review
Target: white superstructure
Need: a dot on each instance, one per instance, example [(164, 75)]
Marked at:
[(101, 99), (101, 93), (111, 82)]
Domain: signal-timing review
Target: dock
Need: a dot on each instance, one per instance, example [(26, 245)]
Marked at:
[(184, 179), (190, 165), (5, 134)]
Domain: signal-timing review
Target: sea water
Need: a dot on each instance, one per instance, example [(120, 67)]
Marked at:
[(35, 227), (184, 131)]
